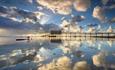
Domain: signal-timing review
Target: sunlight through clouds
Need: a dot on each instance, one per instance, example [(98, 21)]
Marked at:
[(82, 5), (98, 13), (59, 6)]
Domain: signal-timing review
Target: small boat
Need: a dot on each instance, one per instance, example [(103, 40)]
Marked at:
[(22, 39)]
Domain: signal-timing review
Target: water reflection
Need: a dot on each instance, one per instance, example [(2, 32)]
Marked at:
[(67, 55)]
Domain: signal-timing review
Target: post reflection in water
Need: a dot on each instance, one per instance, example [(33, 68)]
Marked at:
[(58, 55)]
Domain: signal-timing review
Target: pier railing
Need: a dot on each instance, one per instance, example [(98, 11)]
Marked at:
[(79, 36)]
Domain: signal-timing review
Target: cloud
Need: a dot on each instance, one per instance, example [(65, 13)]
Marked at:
[(91, 29), (30, 1), (112, 20), (3, 31), (78, 18), (51, 26), (81, 65), (70, 26), (98, 13), (65, 23), (44, 19), (59, 6), (112, 7), (92, 25), (10, 24), (104, 2), (25, 16), (3, 9), (82, 5), (110, 30), (15, 2), (63, 63), (98, 59)]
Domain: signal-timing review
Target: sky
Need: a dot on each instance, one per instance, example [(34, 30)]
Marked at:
[(34, 16)]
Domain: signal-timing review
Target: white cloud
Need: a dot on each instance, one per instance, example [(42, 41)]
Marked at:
[(64, 25), (63, 63), (44, 19), (40, 8), (39, 14), (82, 5), (26, 16), (70, 26), (98, 59), (58, 6), (98, 13), (15, 19), (110, 30), (81, 65)]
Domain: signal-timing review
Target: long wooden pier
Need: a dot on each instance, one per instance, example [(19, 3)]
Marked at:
[(72, 36), (77, 36)]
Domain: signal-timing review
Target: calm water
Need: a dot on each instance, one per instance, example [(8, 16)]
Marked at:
[(66, 55)]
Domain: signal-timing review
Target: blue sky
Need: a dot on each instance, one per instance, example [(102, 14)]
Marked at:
[(53, 17)]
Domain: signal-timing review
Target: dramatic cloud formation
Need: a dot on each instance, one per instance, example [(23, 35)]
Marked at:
[(58, 6), (19, 12), (18, 27), (82, 5), (63, 63), (26, 16), (98, 13), (70, 26)]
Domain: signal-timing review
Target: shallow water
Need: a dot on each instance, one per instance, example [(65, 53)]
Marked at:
[(65, 55)]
